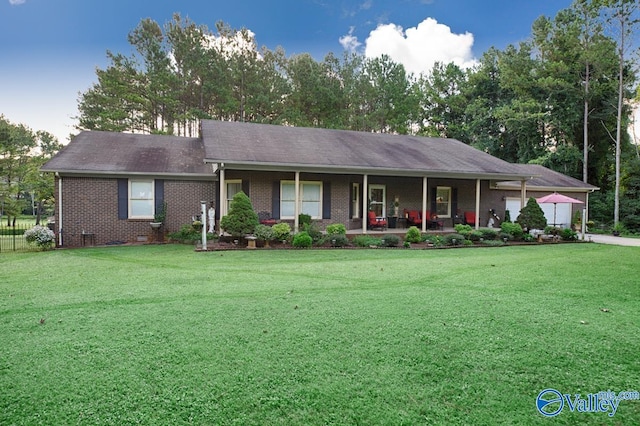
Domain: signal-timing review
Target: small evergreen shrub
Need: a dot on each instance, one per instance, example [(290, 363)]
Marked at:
[(336, 228), (463, 229), (264, 232), (531, 216), (507, 216), (475, 235), (302, 240), (454, 239), (366, 241), (241, 219), (40, 236), (282, 231), (390, 240), (467, 243), (338, 240), (493, 243), (568, 234), (489, 234), (313, 231), (413, 235), (514, 230), (304, 219)]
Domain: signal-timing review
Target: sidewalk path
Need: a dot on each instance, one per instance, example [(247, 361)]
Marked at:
[(610, 239)]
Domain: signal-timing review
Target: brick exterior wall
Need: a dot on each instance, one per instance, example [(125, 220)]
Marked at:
[(91, 204), (91, 207)]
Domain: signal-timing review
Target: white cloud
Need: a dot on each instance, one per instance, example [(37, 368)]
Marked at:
[(17, 2), (419, 48), (350, 42)]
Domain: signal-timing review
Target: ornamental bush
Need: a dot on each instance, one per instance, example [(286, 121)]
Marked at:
[(338, 240), (514, 230), (40, 236), (302, 240), (336, 228), (413, 235), (531, 216), (390, 240), (241, 219), (264, 232), (282, 231)]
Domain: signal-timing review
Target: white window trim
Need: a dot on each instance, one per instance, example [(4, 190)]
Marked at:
[(448, 188), (384, 197), (226, 191), (130, 198), (302, 183), (355, 201)]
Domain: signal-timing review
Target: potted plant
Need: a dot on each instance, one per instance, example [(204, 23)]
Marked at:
[(160, 216)]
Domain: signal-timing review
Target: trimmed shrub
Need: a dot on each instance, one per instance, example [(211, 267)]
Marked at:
[(514, 230), (454, 239), (241, 219), (531, 216), (264, 232), (475, 235), (390, 240), (463, 229), (366, 241), (338, 240), (282, 231), (336, 228), (413, 235), (489, 234), (313, 231), (187, 234), (302, 240)]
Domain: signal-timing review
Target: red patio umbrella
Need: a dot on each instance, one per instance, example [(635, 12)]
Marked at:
[(556, 198)]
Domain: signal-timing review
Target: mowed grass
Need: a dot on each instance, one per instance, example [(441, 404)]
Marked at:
[(164, 335)]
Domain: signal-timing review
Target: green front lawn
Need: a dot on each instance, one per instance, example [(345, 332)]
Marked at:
[(163, 335)]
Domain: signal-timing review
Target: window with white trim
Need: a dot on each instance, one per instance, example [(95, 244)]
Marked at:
[(233, 187), (443, 201), (310, 198), (141, 199)]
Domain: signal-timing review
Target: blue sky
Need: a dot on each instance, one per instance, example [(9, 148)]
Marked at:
[(49, 49)]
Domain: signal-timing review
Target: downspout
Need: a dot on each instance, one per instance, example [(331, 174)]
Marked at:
[(59, 209)]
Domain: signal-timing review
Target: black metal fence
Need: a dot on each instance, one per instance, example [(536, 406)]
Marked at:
[(12, 239)]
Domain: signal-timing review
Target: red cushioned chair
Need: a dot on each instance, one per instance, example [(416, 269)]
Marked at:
[(413, 217), (376, 222), (470, 218)]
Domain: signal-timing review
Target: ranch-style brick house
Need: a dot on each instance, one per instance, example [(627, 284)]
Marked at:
[(109, 185)]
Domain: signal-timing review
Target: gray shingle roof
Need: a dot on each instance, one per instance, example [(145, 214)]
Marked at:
[(289, 148), (122, 153), (548, 179)]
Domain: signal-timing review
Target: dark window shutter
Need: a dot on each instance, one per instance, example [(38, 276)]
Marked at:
[(434, 206), (159, 194), (275, 200), (454, 202), (350, 200), (123, 198), (245, 187), (326, 200)]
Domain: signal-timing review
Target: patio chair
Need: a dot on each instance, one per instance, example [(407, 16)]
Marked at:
[(413, 217), (434, 223), (376, 222), (470, 218)]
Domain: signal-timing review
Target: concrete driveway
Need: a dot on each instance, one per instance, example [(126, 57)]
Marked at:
[(610, 239)]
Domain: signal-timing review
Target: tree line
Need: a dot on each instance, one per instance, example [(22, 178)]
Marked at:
[(559, 99)]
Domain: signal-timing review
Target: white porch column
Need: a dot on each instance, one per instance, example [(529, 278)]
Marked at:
[(477, 203), (296, 208), (425, 218), (365, 202), (223, 194), (523, 194)]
